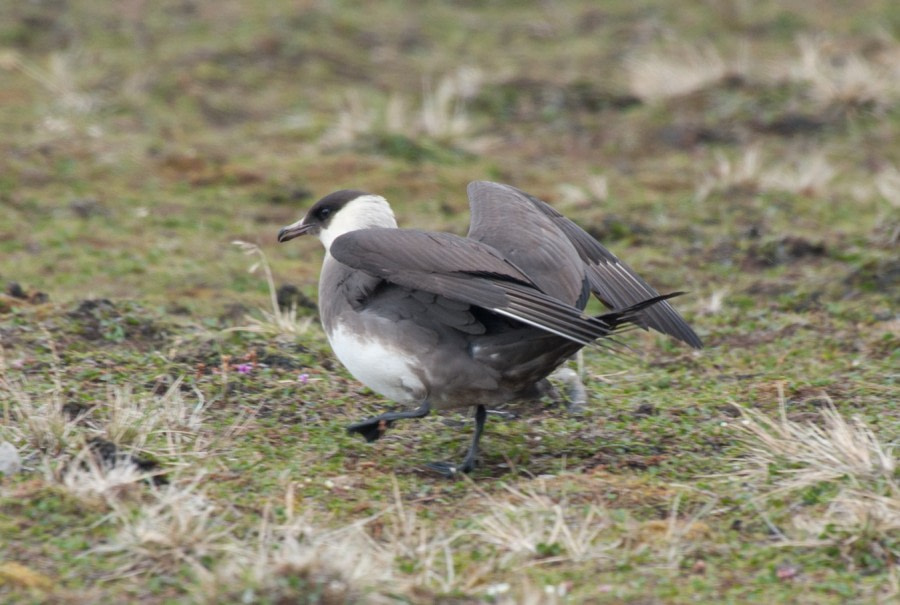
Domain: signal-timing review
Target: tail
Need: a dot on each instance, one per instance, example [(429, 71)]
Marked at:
[(617, 319)]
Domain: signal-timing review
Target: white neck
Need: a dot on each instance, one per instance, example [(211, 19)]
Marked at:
[(362, 213)]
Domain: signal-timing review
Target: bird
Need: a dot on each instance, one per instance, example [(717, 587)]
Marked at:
[(438, 321)]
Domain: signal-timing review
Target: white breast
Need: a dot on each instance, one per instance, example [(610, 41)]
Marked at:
[(383, 369)]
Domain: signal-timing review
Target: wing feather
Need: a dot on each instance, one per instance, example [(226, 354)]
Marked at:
[(473, 273), (613, 282)]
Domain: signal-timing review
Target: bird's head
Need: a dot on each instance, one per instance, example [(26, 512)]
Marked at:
[(341, 212)]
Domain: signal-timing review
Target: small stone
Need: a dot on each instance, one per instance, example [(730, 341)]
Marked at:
[(10, 463), (87, 207), (646, 409), (787, 572)]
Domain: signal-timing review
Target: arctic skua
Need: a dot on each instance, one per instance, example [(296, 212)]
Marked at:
[(438, 321)]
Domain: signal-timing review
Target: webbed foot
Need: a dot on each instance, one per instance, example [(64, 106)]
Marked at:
[(374, 428), (371, 429)]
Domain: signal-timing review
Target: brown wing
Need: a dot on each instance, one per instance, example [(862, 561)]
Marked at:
[(614, 283)]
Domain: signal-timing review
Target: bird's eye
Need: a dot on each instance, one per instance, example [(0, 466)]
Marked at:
[(323, 213)]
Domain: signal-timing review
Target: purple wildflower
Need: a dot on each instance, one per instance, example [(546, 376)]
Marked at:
[(303, 378), (244, 368)]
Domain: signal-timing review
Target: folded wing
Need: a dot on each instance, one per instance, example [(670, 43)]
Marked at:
[(474, 273), (614, 283)]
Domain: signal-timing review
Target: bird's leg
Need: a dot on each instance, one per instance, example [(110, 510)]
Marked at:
[(373, 428), (575, 391), (449, 470), (469, 461)]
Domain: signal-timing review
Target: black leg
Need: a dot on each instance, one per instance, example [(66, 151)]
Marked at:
[(447, 469), (373, 428)]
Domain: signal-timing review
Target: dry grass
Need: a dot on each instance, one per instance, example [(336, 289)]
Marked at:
[(887, 183), (174, 524), (67, 109), (39, 423), (524, 527), (57, 79), (594, 190), (398, 552), (439, 114), (809, 174), (277, 322), (677, 70), (845, 461), (93, 453), (836, 74), (298, 558), (837, 450), (96, 482), (529, 526), (842, 76), (301, 556)]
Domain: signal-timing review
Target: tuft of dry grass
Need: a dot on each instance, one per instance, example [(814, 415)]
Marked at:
[(97, 482), (808, 453), (843, 463), (532, 526), (843, 77), (93, 454), (443, 113), (299, 556), (397, 552), (37, 422), (174, 524), (67, 109), (808, 175), (277, 322), (677, 70), (439, 114)]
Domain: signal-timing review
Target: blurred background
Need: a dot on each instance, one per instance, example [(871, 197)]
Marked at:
[(695, 138)]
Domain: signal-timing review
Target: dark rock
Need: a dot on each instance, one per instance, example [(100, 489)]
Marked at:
[(87, 207), (875, 275), (291, 195), (90, 306), (687, 136), (785, 250), (275, 360), (614, 228), (74, 409), (646, 409), (289, 296), (15, 290), (109, 455), (233, 312), (791, 124)]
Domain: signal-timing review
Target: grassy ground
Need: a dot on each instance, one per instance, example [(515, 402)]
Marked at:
[(181, 441)]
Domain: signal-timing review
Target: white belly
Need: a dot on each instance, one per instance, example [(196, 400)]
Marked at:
[(382, 369)]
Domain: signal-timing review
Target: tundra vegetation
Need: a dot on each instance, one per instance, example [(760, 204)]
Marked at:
[(172, 423)]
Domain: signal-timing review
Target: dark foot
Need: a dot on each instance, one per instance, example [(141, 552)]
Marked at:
[(370, 429), (450, 470), (374, 428)]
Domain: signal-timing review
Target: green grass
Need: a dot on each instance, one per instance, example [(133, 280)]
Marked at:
[(141, 141)]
